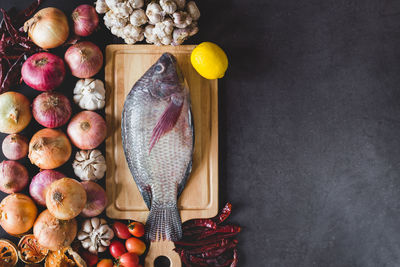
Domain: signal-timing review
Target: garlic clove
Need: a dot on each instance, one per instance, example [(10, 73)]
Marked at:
[(95, 222), (87, 226), (83, 235)]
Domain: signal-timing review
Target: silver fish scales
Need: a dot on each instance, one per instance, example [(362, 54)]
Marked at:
[(158, 138)]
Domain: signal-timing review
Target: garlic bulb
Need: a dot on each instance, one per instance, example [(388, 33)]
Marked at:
[(182, 19), (101, 6), (138, 17), (95, 235), (154, 12), (168, 6), (90, 94), (89, 165), (193, 10)]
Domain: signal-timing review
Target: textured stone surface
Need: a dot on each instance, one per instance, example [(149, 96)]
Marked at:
[(309, 127)]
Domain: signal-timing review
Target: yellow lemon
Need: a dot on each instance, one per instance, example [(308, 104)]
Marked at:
[(209, 60)]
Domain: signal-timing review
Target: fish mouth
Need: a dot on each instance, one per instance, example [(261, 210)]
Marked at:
[(168, 57)]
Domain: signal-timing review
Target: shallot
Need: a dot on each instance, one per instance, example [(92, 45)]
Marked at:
[(41, 182), (13, 176), (51, 109), (87, 130), (85, 20), (84, 59), (96, 199), (15, 146)]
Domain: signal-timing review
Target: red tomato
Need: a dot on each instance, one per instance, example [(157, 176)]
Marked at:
[(135, 245), (121, 230), (136, 229), (105, 263), (117, 248), (129, 260), (90, 259)]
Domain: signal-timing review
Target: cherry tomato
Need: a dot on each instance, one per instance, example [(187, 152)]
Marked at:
[(129, 260), (136, 229), (90, 259), (117, 248), (121, 230), (105, 263), (135, 245)]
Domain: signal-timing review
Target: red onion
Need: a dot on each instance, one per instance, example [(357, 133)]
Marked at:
[(84, 59), (13, 176), (85, 20), (96, 199), (15, 146), (51, 109), (43, 71), (87, 130), (40, 183)]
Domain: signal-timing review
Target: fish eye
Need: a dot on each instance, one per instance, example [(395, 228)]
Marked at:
[(159, 68)]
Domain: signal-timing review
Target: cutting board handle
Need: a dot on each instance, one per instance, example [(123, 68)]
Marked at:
[(162, 248)]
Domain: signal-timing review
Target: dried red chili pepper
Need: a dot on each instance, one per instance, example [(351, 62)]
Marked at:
[(23, 15), (209, 223), (224, 214), (7, 21), (199, 250), (218, 251), (220, 229), (185, 259), (13, 75)]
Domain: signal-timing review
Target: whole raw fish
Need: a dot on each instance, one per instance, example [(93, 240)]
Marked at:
[(157, 137)]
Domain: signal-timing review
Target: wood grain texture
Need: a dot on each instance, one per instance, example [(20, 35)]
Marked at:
[(125, 64)]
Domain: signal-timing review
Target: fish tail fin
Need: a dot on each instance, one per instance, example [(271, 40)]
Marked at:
[(167, 121), (164, 223)]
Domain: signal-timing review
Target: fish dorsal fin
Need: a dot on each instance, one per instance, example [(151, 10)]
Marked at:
[(167, 120)]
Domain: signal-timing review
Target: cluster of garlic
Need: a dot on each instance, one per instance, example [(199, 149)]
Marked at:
[(161, 22)]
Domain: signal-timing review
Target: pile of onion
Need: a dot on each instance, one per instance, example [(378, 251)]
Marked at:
[(87, 130), (65, 198), (52, 233), (84, 59), (17, 213), (49, 149), (85, 20), (15, 112), (43, 71), (48, 28), (51, 109), (96, 199), (41, 182), (13, 176), (15, 146)]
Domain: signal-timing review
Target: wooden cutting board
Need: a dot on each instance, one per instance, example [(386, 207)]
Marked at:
[(125, 64)]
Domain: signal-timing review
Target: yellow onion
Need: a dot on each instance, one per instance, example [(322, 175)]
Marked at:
[(52, 233), (17, 213), (49, 149), (15, 112), (66, 198), (48, 28)]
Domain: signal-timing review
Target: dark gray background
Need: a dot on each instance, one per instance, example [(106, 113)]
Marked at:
[(309, 127)]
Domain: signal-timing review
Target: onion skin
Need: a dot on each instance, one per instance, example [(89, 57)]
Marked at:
[(85, 20), (84, 59), (48, 28), (43, 71), (15, 112), (52, 233), (66, 198), (41, 182), (51, 109), (96, 199), (15, 146), (87, 130), (49, 149), (13, 176), (17, 213)]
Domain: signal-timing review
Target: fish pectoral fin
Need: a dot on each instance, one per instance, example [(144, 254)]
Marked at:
[(167, 120)]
